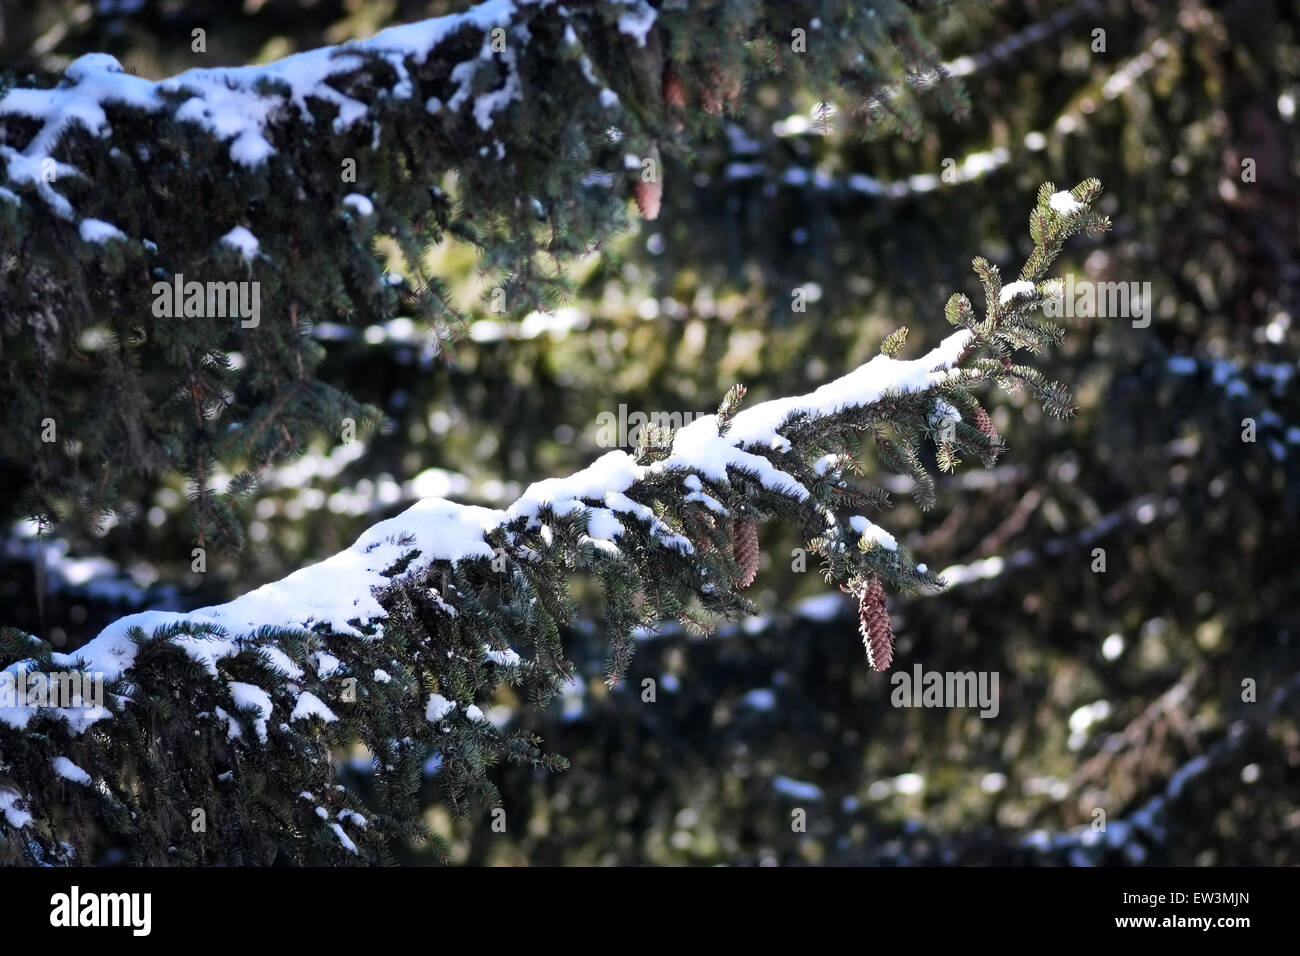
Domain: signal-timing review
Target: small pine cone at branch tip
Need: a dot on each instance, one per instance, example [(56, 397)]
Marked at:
[(746, 551), (985, 424), (873, 625)]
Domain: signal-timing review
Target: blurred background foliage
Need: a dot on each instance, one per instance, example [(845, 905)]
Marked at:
[(1120, 691)]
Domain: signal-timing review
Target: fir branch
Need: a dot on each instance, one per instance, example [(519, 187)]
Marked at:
[(457, 599)]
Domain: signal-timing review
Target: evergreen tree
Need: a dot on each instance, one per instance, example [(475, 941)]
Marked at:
[(1127, 572), (534, 123)]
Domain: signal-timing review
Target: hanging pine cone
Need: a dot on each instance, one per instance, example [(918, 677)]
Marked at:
[(873, 625), (674, 92), (649, 189), (746, 551), (985, 424), (648, 196)]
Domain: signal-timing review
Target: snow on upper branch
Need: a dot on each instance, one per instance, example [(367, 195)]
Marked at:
[(238, 104)]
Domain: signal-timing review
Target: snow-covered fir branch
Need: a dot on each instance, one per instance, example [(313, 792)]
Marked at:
[(399, 641), (241, 107), (340, 592), (520, 129)]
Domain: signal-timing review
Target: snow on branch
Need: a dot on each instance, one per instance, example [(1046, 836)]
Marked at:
[(240, 106), (340, 592), (430, 602), (770, 458)]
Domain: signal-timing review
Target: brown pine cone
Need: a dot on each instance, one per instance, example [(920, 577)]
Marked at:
[(674, 92), (873, 625), (746, 551), (985, 424), (649, 195)]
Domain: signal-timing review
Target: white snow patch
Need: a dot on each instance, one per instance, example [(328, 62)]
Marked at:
[(8, 806), (637, 22), (232, 725), (281, 662), (359, 204), (309, 705), (68, 770), (708, 501), (96, 230), (1013, 289), (506, 658), (327, 665), (250, 695), (439, 707), (1064, 203), (343, 838), (241, 239), (873, 534)]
